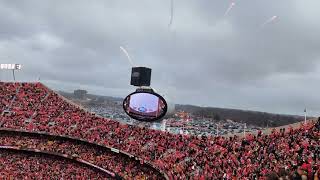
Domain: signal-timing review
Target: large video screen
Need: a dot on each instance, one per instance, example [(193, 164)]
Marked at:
[(144, 103), (145, 106)]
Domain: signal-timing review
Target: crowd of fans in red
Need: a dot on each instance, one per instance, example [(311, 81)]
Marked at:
[(285, 153), (102, 157), (14, 165)]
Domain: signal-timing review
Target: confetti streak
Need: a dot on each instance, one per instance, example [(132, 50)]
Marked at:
[(273, 18), (171, 17), (230, 8), (127, 54)]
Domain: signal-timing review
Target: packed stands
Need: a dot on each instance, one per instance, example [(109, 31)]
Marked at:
[(35, 108), (29, 165), (80, 150)]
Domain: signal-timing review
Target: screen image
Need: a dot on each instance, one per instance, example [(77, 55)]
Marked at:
[(145, 106), (144, 103)]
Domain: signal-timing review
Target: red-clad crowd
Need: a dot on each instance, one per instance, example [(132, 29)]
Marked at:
[(287, 154), (122, 165), (16, 165)]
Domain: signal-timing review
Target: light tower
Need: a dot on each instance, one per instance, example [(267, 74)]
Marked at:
[(305, 115), (12, 67)]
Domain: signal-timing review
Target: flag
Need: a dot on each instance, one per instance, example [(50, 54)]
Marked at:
[(305, 109)]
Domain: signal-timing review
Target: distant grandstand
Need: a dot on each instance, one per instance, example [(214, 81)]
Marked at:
[(35, 119)]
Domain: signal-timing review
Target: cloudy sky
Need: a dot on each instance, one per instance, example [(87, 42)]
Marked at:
[(204, 58)]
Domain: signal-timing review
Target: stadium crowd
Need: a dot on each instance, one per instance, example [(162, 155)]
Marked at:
[(102, 157), (17, 165), (291, 153)]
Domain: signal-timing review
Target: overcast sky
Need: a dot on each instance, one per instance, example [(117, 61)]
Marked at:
[(204, 58)]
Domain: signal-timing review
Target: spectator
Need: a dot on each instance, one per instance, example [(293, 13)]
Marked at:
[(272, 176)]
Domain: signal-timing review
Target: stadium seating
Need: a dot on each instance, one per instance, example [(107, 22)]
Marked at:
[(79, 150), (28, 165), (35, 108)]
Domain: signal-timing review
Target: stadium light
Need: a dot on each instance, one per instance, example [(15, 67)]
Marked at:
[(305, 115), (12, 67)]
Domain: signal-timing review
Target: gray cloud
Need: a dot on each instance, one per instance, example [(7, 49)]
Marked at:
[(204, 58)]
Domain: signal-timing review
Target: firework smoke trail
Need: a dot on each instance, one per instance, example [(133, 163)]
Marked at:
[(230, 8), (171, 17), (127, 54), (273, 18)]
